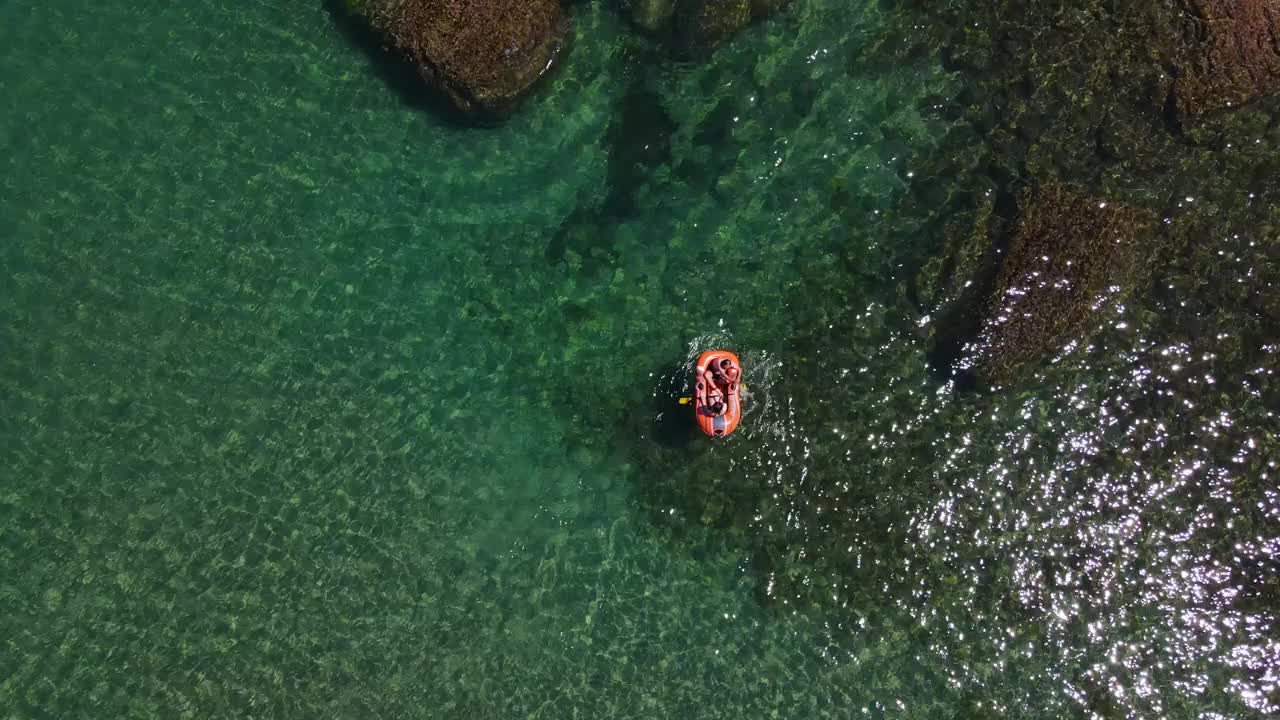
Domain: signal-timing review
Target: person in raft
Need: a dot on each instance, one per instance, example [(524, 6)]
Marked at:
[(720, 378), (715, 406), (725, 374)]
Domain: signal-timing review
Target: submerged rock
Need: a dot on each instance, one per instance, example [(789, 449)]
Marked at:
[(1237, 58), (1069, 257), (707, 24), (484, 54), (764, 8), (700, 25), (651, 15)]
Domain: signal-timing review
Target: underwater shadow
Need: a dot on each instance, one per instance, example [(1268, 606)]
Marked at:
[(961, 320), (673, 423), (391, 69), (638, 143), (663, 444)]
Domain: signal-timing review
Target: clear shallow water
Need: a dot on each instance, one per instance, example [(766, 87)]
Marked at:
[(295, 423)]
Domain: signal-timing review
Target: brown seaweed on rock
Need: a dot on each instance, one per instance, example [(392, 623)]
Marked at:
[(1069, 256), (484, 54), (1237, 59)]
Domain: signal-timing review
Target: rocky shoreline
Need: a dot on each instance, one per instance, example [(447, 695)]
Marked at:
[(1096, 123)]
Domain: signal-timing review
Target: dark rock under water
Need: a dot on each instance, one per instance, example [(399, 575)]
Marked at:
[(1234, 58), (485, 55), (1070, 257), (698, 26)]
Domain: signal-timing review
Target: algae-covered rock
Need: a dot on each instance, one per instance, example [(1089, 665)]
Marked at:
[(707, 24), (700, 26), (484, 54), (1069, 257), (1237, 57), (651, 15)]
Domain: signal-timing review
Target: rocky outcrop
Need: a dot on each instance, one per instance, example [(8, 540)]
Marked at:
[(1069, 258), (484, 54), (1236, 59)]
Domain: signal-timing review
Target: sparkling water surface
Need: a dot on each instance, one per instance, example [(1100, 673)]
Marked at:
[(315, 402)]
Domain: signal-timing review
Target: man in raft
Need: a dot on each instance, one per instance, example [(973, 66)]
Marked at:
[(723, 375)]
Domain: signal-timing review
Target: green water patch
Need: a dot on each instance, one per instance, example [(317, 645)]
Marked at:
[(295, 391), (317, 402)]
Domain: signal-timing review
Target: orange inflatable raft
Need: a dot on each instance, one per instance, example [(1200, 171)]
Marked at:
[(717, 397)]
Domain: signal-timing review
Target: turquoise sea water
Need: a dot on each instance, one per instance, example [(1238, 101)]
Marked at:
[(315, 402)]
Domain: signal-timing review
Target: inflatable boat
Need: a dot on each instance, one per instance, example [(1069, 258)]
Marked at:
[(717, 400)]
